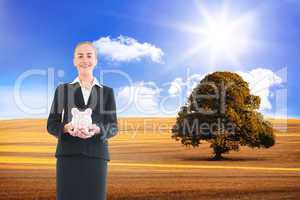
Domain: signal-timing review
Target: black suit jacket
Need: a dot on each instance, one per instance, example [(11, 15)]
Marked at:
[(102, 103)]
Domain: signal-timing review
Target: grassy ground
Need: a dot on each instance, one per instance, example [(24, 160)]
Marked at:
[(147, 164)]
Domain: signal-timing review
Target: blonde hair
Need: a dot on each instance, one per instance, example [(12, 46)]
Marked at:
[(86, 42)]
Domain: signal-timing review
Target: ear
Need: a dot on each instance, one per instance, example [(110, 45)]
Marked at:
[(74, 111), (88, 111)]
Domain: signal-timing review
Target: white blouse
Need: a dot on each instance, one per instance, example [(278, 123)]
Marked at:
[(87, 92)]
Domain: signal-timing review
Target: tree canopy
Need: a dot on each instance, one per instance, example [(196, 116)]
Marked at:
[(221, 110)]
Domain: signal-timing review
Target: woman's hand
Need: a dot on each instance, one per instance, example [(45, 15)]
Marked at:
[(81, 132), (94, 129), (68, 128)]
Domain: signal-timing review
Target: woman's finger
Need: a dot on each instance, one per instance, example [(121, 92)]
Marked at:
[(71, 132), (92, 132), (84, 134)]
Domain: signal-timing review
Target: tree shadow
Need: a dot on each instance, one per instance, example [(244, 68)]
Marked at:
[(226, 159)]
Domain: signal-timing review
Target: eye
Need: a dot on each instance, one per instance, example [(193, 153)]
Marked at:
[(89, 56), (80, 56)]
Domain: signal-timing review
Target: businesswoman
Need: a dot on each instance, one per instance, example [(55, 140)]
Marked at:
[(82, 155)]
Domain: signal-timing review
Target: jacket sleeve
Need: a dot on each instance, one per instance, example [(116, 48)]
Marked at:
[(110, 127), (54, 123)]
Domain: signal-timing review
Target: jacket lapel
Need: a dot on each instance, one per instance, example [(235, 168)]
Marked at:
[(95, 96), (78, 96)]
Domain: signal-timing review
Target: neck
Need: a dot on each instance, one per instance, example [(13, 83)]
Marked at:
[(86, 77)]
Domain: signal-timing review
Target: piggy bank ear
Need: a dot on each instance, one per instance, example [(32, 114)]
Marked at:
[(74, 111), (88, 111)]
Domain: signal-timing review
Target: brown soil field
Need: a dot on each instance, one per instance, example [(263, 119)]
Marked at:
[(147, 164)]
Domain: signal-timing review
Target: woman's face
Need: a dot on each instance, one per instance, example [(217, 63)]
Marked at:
[(85, 59)]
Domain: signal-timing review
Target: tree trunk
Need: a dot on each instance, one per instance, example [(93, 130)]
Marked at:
[(218, 156)]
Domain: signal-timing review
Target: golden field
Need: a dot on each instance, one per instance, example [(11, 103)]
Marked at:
[(147, 164)]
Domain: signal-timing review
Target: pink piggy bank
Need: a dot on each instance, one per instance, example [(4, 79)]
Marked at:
[(81, 119)]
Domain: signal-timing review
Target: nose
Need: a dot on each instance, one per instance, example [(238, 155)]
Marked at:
[(84, 59), (84, 62)]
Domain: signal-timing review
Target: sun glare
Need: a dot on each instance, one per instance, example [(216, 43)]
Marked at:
[(225, 38), (221, 35)]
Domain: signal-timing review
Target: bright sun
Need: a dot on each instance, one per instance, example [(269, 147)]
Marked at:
[(225, 38), (222, 36)]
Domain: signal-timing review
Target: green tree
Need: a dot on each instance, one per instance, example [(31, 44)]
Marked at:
[(221, 110)]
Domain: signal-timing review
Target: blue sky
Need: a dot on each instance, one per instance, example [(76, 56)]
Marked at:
[(159, 45)]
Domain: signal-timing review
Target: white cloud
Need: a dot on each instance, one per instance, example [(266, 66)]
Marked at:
[(175, 86), (144, 98), (178, 84), (127, 49), (260, 82), (141, 98), (29, 103)]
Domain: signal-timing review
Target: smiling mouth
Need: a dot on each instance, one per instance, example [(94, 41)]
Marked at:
[(85, 67)]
